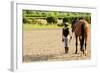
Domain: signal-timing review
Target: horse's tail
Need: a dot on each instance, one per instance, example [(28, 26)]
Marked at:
[(83, 33), (83, 29)]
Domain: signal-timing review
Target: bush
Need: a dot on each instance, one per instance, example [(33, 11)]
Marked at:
[(26, 20), (65, 19), (39, 21), (70, 19), (88, 19), (52, 19)]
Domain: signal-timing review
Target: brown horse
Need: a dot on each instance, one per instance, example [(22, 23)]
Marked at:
[(81, 29)]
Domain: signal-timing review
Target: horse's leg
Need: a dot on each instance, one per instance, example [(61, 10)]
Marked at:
[(80, 39), (76, 44), (82, 44), (85, 45), (86, 39)]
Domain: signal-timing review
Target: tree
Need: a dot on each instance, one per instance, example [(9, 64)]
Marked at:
[(52, 19)]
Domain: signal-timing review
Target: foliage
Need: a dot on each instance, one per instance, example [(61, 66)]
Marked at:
[(52, 17), (65, 19), (52, 20), (26, 20)]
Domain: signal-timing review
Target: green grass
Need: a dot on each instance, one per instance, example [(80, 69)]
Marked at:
[(27, 27)]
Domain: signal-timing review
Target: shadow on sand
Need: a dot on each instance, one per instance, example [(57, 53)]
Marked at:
[(29, 58), (61, 57)]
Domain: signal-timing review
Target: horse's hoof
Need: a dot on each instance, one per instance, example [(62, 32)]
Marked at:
[(85, 53), (66, 52)]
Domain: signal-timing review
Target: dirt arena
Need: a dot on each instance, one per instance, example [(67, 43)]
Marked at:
[(47, 45)]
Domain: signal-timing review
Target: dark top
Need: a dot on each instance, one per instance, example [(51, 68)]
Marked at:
[(65, 32)]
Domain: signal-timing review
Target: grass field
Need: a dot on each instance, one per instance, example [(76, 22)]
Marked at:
[(28, 27)]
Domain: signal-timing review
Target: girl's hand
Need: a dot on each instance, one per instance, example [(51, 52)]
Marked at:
[(70, 37)]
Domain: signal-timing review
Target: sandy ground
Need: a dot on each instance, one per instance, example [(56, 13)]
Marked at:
[(47, 45)]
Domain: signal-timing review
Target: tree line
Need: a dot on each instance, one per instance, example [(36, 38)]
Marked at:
[(52, 17)]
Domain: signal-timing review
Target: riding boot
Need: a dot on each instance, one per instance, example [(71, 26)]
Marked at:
[(66, 49)]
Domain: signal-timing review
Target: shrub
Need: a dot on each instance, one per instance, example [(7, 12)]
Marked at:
[(39, 21), (65, 19), (26, 20), (52, 19), (88, 19)]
